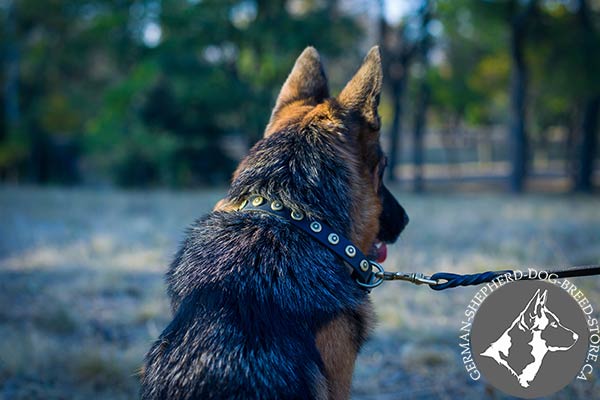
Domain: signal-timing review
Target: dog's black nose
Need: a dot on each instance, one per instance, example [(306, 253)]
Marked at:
[(393, 217), (406, 220)]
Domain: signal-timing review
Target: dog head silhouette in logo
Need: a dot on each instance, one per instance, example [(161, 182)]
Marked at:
[(534, 333)]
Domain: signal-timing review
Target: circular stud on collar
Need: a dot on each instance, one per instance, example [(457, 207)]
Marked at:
[(333, 238), (296, 215), (350, 250), (364, 265), (257, 201), (315, 227), (276, 205), (244, 204)]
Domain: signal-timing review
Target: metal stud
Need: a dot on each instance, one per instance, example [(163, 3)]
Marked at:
[(296, 215), (333, 238), (315, 227), (364, 265), (244, 204), (257, 201), (350, 250), (276, 205)]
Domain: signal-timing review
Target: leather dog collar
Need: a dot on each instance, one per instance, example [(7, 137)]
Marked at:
[(362, 267)]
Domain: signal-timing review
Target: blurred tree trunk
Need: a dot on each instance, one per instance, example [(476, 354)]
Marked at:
[(397, 53), (518, 144), (587, 148), (422, 99), (589, 122), (11, 84), (570, 143), (397, 89), (419, 129)]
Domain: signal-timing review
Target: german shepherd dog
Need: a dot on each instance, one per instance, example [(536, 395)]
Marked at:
[(261, 310)]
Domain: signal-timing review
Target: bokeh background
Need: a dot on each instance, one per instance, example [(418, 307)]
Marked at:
[(122, 120)]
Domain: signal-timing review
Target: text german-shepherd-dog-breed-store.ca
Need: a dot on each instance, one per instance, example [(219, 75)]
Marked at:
[(264, 305)]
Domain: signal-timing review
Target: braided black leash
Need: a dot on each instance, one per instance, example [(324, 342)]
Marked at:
[(446, 280), (455, 280)]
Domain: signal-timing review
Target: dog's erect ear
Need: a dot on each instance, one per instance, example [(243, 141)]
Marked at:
[(307, 81), (535, 306), (530, 311), (540, 303), (362, 93)]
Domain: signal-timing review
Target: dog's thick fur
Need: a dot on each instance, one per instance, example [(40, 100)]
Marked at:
[(261, 310)]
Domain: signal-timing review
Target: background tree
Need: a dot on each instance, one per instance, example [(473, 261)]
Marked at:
[(423, 94), (398, 52), (10, 118), (590, 47), (517, 18), (520, 18)]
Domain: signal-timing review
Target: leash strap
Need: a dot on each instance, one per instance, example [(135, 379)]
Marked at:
[(362, 267), (455, 280)]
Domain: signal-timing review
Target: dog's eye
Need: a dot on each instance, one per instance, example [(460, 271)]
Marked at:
[(554, 325)]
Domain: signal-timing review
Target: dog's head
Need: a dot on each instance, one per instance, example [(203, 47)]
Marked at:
[(350, 124), (537, 317)]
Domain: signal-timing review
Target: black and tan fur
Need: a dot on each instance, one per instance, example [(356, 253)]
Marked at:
[(261, 310)]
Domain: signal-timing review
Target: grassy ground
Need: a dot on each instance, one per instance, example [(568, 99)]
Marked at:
[(82, 296)]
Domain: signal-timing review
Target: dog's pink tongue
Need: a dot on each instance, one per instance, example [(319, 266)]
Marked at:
[(381, 253)]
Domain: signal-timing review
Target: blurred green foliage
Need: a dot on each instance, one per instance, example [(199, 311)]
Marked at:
[(473, 80), (143, 92), (153, 92)]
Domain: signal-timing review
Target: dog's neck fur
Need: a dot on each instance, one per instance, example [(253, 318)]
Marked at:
[(296, 177), (500, 349), (539, 350)]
